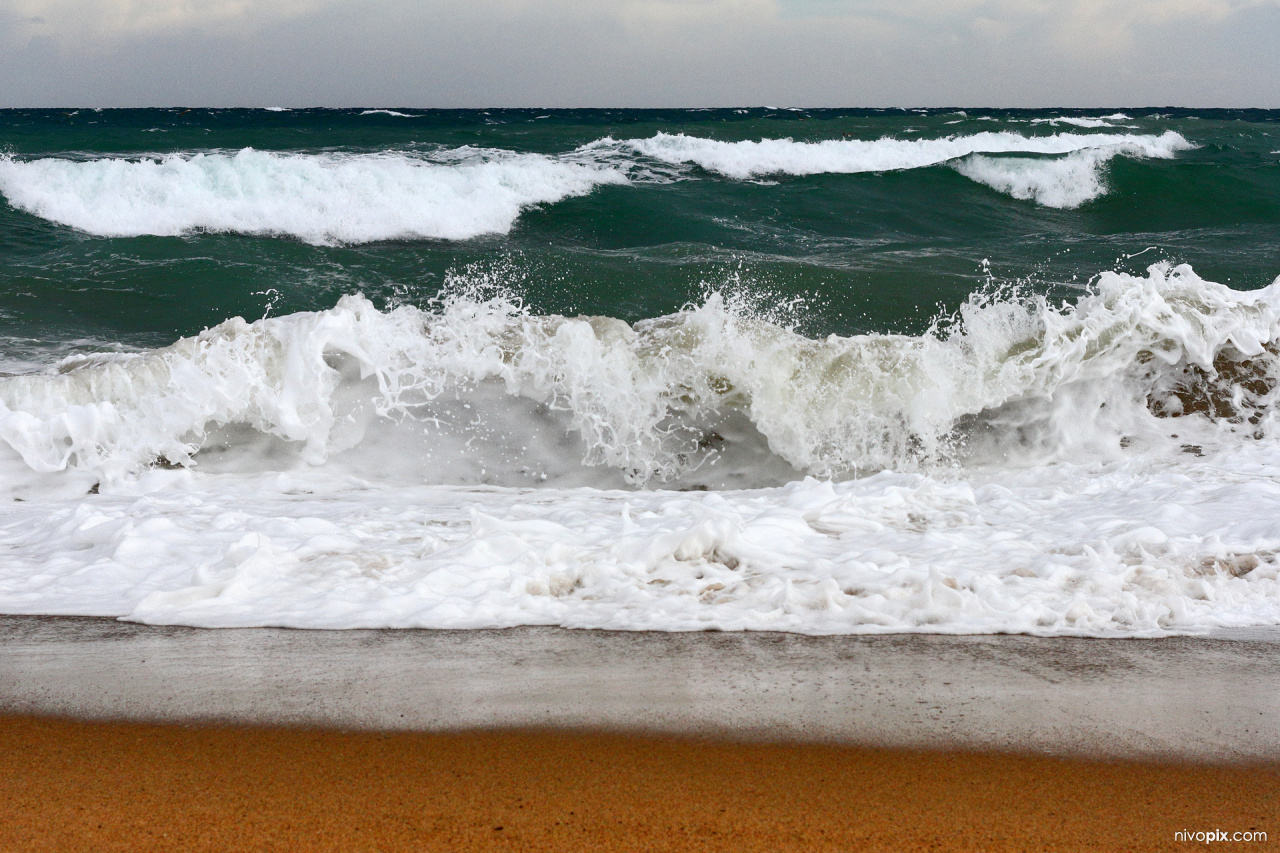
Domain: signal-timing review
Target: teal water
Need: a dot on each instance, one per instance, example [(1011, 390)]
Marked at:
[(869, 251)]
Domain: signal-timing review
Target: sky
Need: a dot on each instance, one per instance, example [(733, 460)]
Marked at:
[(640, 53)]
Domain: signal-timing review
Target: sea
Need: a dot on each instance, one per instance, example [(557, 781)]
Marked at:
[(817, 371)]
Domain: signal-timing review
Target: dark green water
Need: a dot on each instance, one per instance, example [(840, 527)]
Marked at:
[(883, 250)]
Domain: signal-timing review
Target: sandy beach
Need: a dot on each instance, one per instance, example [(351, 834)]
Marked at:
[(105, 787), (126, 737)]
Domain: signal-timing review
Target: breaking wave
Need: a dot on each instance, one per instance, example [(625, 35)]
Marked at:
[(1062, 182), (714, 391), (320, 198), (751, 159), (1099, 468), (457, 194)]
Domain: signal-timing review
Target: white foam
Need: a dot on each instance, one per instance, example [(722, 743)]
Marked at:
[(749, 159), (388, 113), (1103, 468), (320, 198), (648, 399), (1084, 121), (1062, 182), (467, 192), (1059, 551)]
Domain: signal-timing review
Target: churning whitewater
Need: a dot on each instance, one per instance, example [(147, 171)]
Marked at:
[(1106, 467)]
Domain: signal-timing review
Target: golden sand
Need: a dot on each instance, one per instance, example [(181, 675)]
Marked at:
[(71, 786)]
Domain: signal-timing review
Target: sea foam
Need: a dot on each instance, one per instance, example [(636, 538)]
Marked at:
[(1061, 551), (751, 159), (1101, 468)]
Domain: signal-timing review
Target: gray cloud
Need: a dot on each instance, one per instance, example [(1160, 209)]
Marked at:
[(640, 52)]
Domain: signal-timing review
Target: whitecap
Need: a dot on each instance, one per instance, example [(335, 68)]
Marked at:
[(1062, 182), (319, 198), (748, 159)]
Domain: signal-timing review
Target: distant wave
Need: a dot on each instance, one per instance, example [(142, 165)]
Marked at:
[(320, 198), (387, 113), (1085, 121), (1066, 182), (1062, 182), (333, 198), (751, 159)]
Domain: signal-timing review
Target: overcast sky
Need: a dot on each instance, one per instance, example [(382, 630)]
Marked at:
[(563, 53)]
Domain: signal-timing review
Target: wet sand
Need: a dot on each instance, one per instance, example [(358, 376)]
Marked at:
[(73, 786), (133, 738), (1178, 698)]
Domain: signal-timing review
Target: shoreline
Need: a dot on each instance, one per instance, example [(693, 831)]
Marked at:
[(1200, 700), (123, 737)]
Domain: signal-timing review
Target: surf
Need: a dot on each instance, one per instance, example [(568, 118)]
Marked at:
[(668, 399), (1097, 468)]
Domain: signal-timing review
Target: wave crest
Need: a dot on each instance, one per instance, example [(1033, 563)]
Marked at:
[(457, 194), (319, 198), (667, 399), (753, 159)]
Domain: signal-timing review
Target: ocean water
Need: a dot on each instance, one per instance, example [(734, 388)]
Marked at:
[(816, 371)]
